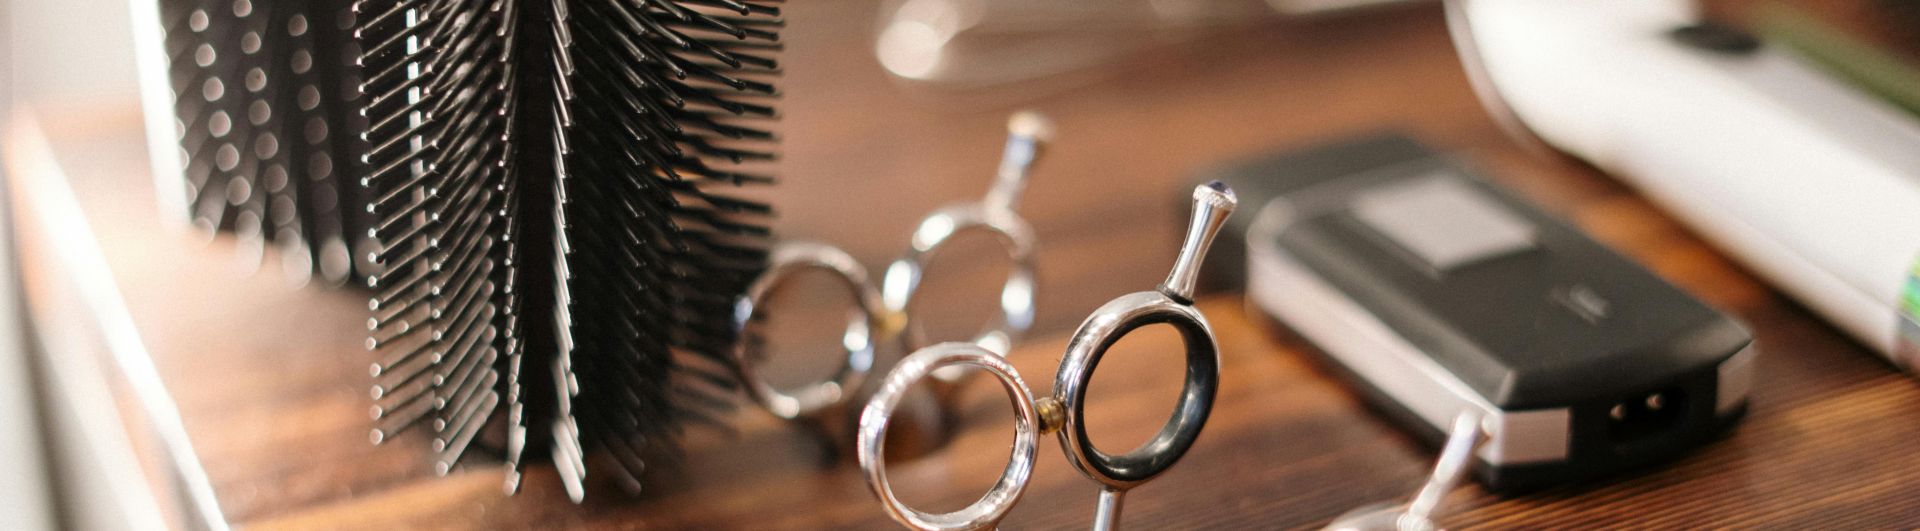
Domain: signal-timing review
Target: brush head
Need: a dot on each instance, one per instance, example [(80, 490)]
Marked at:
[(556, 193), (263, 105)]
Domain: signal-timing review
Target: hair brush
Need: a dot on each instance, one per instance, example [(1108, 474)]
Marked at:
[(261, 95), (556, 188)]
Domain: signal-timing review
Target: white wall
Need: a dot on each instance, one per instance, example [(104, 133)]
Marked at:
[(71, 51), (65, 52), (25, 493)]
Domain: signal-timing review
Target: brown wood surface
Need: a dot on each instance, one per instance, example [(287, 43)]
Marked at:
[(272, 380)]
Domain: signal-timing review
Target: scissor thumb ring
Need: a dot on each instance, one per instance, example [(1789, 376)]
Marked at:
[(1064, 412)]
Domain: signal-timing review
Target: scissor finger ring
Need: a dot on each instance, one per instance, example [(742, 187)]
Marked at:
[(1064, 411), (868, 321), (1107, 325), (870, 445)]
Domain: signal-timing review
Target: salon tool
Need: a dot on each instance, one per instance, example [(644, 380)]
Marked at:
[(250, 117), (1418, 514), (1801, 176), (555, 184), (1436, 293), (1064, 412), (885, 315)]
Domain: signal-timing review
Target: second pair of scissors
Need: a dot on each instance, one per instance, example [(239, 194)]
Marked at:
[(884, 313)]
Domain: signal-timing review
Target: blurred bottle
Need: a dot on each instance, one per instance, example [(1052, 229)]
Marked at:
[(976, 44)]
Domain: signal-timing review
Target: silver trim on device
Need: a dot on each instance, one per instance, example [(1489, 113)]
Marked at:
[(1736, 380)]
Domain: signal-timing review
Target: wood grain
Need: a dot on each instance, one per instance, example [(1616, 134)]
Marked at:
[(271, 380)]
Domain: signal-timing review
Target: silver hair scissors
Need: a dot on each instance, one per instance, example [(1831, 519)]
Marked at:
[(1064, 411), (883, 315)]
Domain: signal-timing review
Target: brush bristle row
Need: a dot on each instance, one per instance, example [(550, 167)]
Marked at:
[(262, 96), (436, 90), (664, 110), (554, 182)]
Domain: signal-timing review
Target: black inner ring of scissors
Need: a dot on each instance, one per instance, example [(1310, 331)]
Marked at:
[(1181, 429)]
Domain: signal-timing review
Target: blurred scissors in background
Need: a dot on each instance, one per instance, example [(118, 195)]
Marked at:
[(886, 313)]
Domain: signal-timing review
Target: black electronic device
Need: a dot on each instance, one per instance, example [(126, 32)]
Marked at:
[(1438, 293)]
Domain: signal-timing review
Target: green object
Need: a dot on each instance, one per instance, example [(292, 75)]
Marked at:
[(1910, 297), (1909, 323), (1873, 69)]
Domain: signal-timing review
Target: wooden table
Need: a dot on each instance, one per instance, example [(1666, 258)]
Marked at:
[(271, 381)]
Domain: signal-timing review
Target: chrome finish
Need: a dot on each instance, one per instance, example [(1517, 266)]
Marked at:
[(1212, 203), (883, 315), (1027, 135), (869, 320), (1417, 515), (1065, 410), (1100, 331), (1106, 510), (986, 512)]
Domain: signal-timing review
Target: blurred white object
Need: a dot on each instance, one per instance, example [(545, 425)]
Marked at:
[(1810, 182), (26, 490), (980, 43), (115, 468)]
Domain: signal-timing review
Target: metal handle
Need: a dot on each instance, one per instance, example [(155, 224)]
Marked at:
[(1212, 203), (1090, 343), (1455, 458), (904, 276), (1027, 134), (1106, 511), (1064, 410)]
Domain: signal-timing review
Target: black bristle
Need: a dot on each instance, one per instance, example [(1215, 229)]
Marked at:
[(264, 95), (554, 182)]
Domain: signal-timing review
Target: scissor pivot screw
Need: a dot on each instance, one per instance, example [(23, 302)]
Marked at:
[(1053, 415)]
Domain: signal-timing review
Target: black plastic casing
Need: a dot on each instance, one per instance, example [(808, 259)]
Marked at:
[(1504, 326)]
